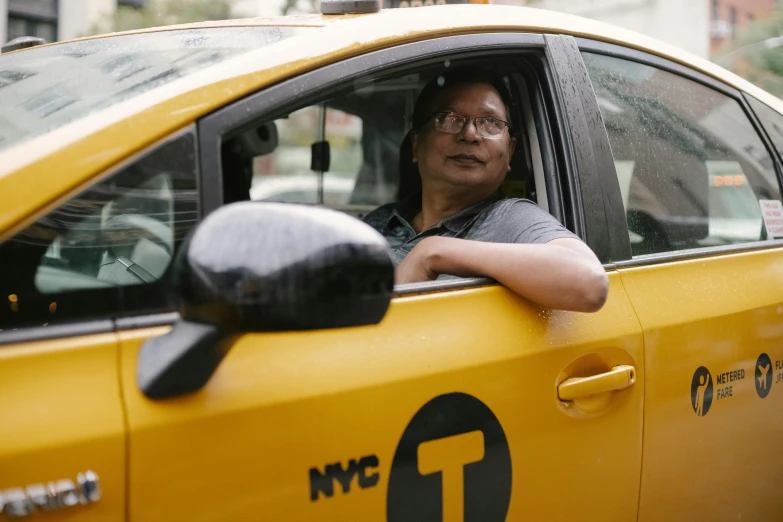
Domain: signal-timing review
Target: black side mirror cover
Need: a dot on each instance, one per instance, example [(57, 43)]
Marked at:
[(265, 267), (182, 361)]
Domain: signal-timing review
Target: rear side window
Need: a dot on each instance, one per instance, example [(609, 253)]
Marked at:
[(692, 168), (107, 251), (772, 121)]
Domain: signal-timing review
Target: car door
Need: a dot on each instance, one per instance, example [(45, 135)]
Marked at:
[(696, 175), (448, 409), (101, 254), (63, 430)]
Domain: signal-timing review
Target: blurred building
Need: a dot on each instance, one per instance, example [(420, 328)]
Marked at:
[(728, 16), (683, 23), (249, 8), (694, 25), (54, 20)]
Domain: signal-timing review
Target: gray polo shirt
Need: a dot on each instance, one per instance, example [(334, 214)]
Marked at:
[(494, 220)]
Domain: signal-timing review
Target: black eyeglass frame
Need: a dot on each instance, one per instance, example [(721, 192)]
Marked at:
[(473, 119)]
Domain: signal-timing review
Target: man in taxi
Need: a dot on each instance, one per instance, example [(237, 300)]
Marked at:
[(459, 224)]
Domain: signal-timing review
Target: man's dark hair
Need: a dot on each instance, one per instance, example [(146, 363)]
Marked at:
[(452, 78)]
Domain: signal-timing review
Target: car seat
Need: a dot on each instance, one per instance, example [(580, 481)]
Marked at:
[(238, 155), (138, 234)]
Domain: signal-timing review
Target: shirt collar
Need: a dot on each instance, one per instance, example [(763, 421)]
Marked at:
[(458, 221), (407, 209)]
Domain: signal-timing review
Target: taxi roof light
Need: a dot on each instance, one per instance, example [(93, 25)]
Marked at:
[(337, 7), (23, 42)]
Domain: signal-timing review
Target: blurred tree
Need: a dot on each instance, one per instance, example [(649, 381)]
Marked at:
[(757, 53), (156, 13), (307, 6), (314, 6)]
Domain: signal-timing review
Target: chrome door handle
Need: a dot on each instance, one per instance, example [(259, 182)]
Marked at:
[(618, 378)]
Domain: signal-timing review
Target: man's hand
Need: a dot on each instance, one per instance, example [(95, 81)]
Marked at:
[(416, 266), (563, 274)]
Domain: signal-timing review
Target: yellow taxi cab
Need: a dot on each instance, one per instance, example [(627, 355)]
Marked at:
[(170, 351)]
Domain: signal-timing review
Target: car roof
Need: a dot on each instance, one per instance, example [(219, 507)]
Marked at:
[(454, 19), (65, 158)]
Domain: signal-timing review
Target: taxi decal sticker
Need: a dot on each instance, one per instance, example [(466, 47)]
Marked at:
[(763, 379), (726, 390), (324, 481), (452, 463), (779, 370), (772, 211), (701, 391)]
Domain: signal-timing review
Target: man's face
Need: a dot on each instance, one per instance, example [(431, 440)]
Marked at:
[(465, 159)]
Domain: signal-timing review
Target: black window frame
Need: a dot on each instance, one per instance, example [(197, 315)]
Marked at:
[(777, 151), (617, 231), (140, 313), (564, 190), (591, 165)]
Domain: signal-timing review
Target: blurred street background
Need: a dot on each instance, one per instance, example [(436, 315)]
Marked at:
[(745, 36)]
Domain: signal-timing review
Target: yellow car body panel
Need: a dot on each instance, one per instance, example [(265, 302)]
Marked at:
[(281, 404), (62, 415), (71, 156), (720, 313)]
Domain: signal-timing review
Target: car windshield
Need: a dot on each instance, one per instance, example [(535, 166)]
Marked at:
[(45, 88)]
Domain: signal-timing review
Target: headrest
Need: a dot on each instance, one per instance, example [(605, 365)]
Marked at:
[(259, 141), (126, 229)]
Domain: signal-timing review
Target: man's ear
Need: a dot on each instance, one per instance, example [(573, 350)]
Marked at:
[(414, 146)]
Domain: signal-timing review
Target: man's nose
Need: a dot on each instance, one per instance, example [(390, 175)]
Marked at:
[(469, 132)]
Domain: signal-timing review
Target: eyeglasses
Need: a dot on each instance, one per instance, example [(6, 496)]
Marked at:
[(453, 123)]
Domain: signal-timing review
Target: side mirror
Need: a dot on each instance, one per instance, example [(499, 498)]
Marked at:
[(264, 267)]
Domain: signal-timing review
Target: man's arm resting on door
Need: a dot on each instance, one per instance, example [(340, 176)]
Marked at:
[(562, 274)]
